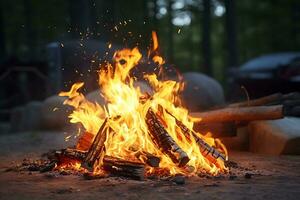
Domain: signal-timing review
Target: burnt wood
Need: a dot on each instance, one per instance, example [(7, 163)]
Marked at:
[(164, 141), (148, 158), (97, 150), (74, 153), (120, 167), (207, 151), (85, 141)]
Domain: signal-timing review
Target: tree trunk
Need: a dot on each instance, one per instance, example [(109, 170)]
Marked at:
[(206, 40), (107, 19), (29, 30), (93, 15), (155, 11), (2, 35), (230, 25), (79, 16), (170, 32)]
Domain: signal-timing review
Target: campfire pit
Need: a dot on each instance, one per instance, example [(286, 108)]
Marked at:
[(136, 134), (140, 135)]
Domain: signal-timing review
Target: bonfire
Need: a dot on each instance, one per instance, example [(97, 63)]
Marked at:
[(136, 130)]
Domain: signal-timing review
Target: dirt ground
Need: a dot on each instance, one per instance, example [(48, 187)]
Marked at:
[(268, 177)]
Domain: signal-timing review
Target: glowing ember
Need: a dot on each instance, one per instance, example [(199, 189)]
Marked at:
[(126, 111)]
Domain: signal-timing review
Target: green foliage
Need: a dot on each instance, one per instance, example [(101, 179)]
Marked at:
[(263, 27)]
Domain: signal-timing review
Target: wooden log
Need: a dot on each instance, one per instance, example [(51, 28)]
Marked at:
[(85, 141), (164, 141), (218, 129), (74, 154), (48, 167), (258, 102), (242, 114), (120, 167), (274, 99), (207, 151), (97, 150), (148, 158)]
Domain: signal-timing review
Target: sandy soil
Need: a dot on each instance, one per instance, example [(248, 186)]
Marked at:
[(270, 177)]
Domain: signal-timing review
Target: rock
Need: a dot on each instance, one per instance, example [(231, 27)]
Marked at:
[(54, 113), (275, 136), (17, 119), (201, 92), (32, 116)]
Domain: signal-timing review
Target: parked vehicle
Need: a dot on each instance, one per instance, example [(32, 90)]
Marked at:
[(267, 74)]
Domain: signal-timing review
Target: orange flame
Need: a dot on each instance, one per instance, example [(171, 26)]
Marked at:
[(127, 107)]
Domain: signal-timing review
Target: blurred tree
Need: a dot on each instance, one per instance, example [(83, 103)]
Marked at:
[(170, 31), (267, 28), (80, 16), (295, 19), (206, 37), (28, 25), (230, 24), (154, 17), (2, 35), (30, 33)]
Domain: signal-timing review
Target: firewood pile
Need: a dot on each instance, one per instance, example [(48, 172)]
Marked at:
[(226, 119), (89, 156)]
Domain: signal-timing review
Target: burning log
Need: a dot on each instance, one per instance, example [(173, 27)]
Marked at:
[(243, 114), (85, 141), (207, 151), (120, 167), (74, 153), (164, 141), (148, 158), (96, 152)]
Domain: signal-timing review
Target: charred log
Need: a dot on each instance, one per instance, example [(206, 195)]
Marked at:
[(148, 158), (164, 141), (207, 151), (48, 167), (85, 141), (74, 154), (97, 150), (120, 167)]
